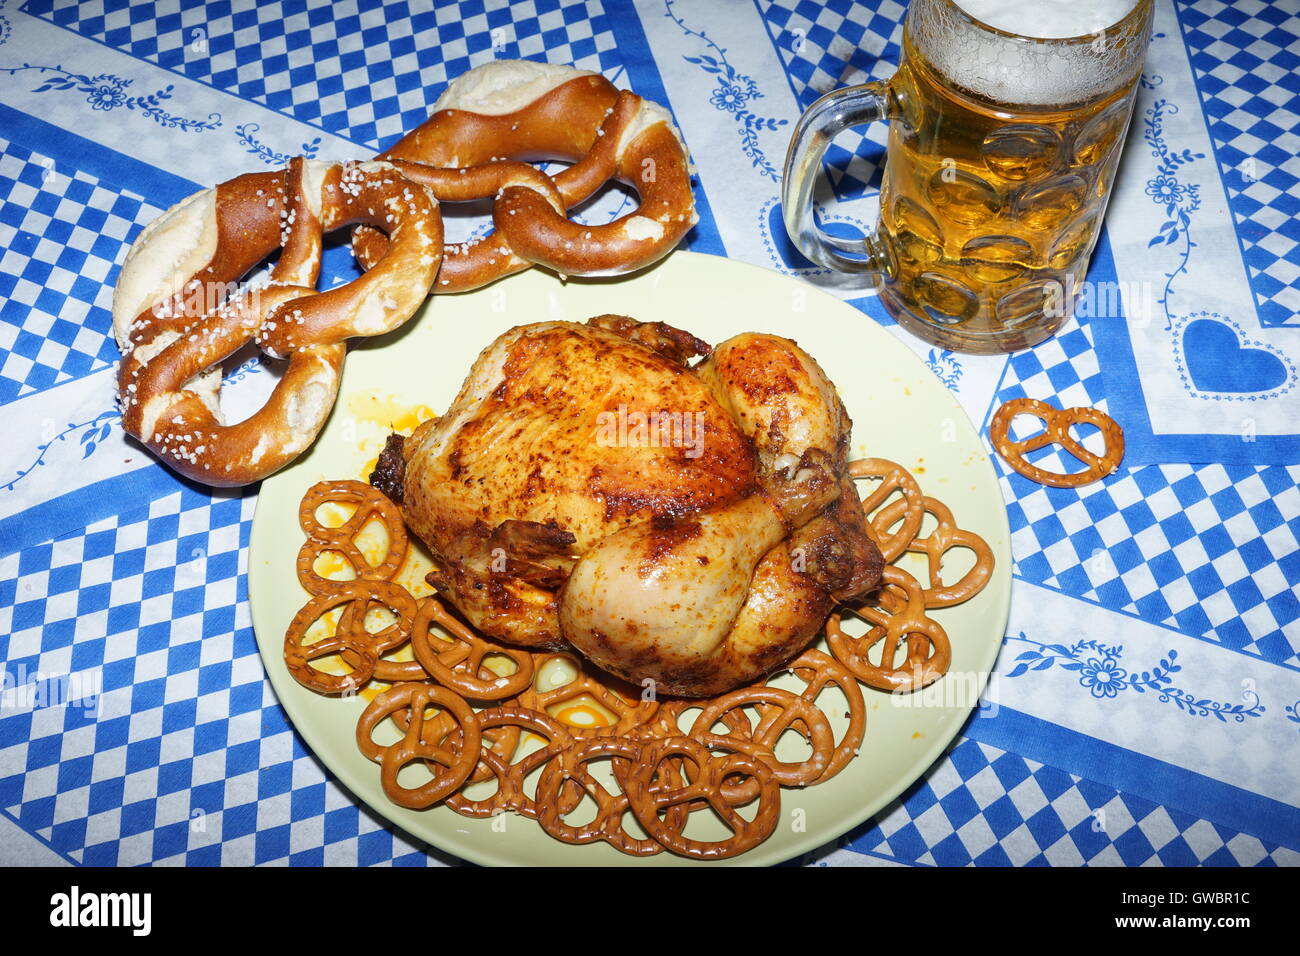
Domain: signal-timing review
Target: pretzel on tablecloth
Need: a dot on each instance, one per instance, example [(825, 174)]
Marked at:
[(169, 377), (493, 119), (485, 127), (1056, 430)]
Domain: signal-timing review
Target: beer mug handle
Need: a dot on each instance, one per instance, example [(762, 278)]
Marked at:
[(826, 118)]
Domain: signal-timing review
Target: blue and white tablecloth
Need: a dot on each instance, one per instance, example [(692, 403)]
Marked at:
[(1146, 705)]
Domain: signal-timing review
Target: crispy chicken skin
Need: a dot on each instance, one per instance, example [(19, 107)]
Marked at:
[(588, 487)]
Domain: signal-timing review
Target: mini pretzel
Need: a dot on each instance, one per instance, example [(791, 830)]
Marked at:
[(900, 619), (497, 743), (451, 765), (1057, 431), (819, 671), (359, 648), (169, 377), (368, 503), (654, 800), (630, 713), (894, 477), (509, 773), (661, 775), (782, 711), (458, 663), (935, 545), (570, 766), (505, 111)]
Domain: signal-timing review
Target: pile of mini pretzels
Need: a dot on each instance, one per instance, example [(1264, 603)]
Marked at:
[(454, 719), (487, 129)]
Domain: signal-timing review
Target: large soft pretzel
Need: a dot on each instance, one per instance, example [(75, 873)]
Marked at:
[(168, 380), (493, 120), (486, 127)]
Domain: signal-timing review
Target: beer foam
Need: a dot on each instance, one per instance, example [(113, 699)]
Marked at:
[(1048, 19), (1098, 59)]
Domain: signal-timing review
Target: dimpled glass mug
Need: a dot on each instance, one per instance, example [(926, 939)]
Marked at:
[(1002, 150)]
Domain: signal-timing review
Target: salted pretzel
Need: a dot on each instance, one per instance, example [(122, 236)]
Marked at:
[(527, 753), (693, 776), (511, 773), (498, 742), (782, 711), (820, 671), (1056, 430), (485, 127), (491, 120), (367, 654), (570, 767), (169, 377)]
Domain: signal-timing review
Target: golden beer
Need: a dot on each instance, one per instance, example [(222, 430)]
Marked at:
[(1002, 151)]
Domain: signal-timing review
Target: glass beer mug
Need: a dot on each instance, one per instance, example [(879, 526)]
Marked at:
[(1002, 150)]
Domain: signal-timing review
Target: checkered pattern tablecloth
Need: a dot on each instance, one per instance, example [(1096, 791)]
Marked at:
[(1177, 576)]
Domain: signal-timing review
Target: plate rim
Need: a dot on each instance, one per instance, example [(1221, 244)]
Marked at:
[(467, 850)]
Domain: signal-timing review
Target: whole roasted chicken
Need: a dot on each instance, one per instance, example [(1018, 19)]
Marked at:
[(688, 524)]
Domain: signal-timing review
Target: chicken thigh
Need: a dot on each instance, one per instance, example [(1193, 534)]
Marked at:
[(689, 526)]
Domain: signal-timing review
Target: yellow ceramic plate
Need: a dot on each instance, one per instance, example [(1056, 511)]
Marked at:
[(900, 411)]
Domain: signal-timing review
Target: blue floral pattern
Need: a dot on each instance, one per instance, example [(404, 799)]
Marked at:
[(95, 431), (945, 366), (1179, 199), (251, 366), (263, 152), (732, 95), (106, 91), (1100, 673)]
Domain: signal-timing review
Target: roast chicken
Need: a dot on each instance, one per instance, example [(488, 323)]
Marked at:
[(590, 488)]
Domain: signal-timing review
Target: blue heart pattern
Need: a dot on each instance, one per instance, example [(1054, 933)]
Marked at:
[(1218, 359)]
